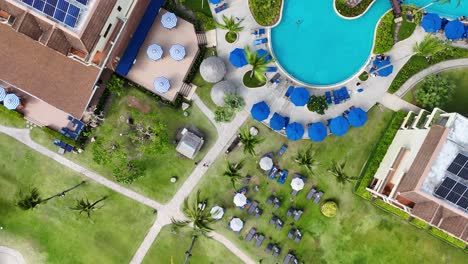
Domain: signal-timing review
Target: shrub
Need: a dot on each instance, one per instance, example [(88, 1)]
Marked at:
[(435, 91), (329, 209), (223, 114), (207, 22), (265, 12), (447, 238), (116, 85), (317, 104), (384, 35), (364, 76), (234, 101), (419, 223), (345, 10), (392, 209), (195, 65), (378, 153)]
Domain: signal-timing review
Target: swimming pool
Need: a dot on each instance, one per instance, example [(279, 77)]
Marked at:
[(325, 49)]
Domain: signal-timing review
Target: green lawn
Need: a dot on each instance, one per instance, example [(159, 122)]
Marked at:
[(52, 233), (361, 233), (205, 251), (11, 118), (459, 102), (204, 88), (155, 183)]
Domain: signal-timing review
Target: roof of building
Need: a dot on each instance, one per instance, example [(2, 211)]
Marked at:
[(59, 81), (91, 34), (189, 144)]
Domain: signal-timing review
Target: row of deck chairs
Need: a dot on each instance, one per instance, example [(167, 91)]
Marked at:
[(337, 96), (314, 194), (259, 240)]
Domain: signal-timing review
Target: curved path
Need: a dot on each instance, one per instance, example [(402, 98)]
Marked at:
[(436, 68), (10, 256)]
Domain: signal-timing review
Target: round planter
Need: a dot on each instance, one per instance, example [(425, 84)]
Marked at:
[(251, 82), (231, 37)]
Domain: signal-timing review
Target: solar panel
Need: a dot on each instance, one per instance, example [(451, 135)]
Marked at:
[(448, 183), (455, 192), (459, 188), (84, 2), (39, 5), (60, 10), (28, 2), (454, 168), (463, 202), (442, 192), (463, 173), (461, 159)]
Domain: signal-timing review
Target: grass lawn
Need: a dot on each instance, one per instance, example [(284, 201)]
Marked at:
[(361, 233), (204, 88), (159, 169), (52, 233), (198, 6), (11, 118), (459, 102), (205, 251)]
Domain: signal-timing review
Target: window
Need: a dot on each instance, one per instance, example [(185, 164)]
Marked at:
[(107, 30)]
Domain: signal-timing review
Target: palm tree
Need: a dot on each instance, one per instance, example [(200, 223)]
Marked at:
[(33, 198), (259, 64), (84, 206), (337, 170), (429, 46), (231, 25), (249, 141), (198, 218), (306, 159), (233, 172)]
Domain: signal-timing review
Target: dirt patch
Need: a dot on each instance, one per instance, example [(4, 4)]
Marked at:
[(132, 101)]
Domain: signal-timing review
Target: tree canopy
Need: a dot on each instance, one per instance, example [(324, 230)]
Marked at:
[(435, 91), (317, 104)]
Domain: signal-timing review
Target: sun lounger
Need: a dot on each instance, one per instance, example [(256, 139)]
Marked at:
[(252, 207), (318, 196), (277, 204), (260, 239), (283, 176), (298, 214), (288, 258), (251, 234), (260, 41), (246, 180), (276, 251), (273, 172), (289, 91), (290, 212), (269, 247), (221, 8), (311, 193), (279, 224), (294, 193), (275, 78), (259, 32), (270, 199), (273, 220), (258, 212), (298, 236), (271, 69), (282, 150), (291, 233)]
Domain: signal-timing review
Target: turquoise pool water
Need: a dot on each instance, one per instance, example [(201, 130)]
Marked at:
[(325, 49)]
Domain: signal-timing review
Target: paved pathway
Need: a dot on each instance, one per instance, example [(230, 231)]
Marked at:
[(10, 256), (436, 68)]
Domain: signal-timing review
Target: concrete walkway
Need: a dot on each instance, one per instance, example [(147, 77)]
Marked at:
[(10, 256), (434, 69)]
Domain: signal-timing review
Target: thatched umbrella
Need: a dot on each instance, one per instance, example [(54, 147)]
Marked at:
[(213, 69), (220, 89)]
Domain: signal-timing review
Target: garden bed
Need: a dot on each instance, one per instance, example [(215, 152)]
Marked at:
[(350, 12), (252, 82), (266, 12)]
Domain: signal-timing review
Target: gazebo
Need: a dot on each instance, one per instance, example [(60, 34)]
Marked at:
[(220, 89), (213, 69)]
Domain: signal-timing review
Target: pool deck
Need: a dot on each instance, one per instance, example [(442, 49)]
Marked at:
[(375, 88)]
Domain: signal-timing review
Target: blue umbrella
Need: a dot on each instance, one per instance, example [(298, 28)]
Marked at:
[(177, 52), (317, 132), (154, 52), (2, 93), (277, 122), (454, 30), (260, 111), (294, 131), (431, 22), (215, 2), (11, 101), (300, 96), (357, 117), (169, 20), (384, 68), (237, 58), (339, 126), (162, 84)]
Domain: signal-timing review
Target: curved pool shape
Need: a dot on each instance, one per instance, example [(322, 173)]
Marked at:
[(325, 49)]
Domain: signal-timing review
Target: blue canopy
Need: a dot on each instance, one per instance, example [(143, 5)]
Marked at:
[(169, 20), (277, 122), (154, 52), (237, 58), (454, 30), (11, 101), (215, 2), (339, 126), (357, 117), (384, 68), (162, 84), (260, 111), (2, 93), (431, 22), (317, 132), (300, 96), (294, 131), (262, 52), (177, 52)]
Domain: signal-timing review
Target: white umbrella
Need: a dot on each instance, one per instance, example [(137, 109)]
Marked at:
[(162, 84), (217, 212), (154, 52), (169, 20), (266, 163), (240, 199), (297, 184), (236, 224), (177, 52)]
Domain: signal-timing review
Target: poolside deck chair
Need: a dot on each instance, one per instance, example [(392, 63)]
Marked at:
[(276, 251), (277, 204), (252, 207), (283, 176), (328, 97), (298, 236), (282, 150), (273, 173), (318, 196), (291, 233), (260, 239), (290, 212), (298, 214), (275, 77), (273, 220), (270, 199), (269, 247), (260, 41), (289, 91), (279, 224), (247, 180), (251, 234), (221, 8), (258, 212), (271, 69), (311, 193), (288, 258), (258, 32), (294, 193)]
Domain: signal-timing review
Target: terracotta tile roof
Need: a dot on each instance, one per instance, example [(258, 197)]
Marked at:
[(58, 41), (10, 8), (422, 160), (454, 225), (425, 210), (95, 25), (464, 235), (30, 27), (44, 73)]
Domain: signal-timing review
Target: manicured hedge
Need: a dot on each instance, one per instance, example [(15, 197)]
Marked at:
[(196, 65), (392, 209), (378, 153), (419, 223), (447, 238), (384, 36), (265, 12), (345, 10)]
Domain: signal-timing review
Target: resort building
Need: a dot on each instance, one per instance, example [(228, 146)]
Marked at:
[(425, 171), (189, 143)]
